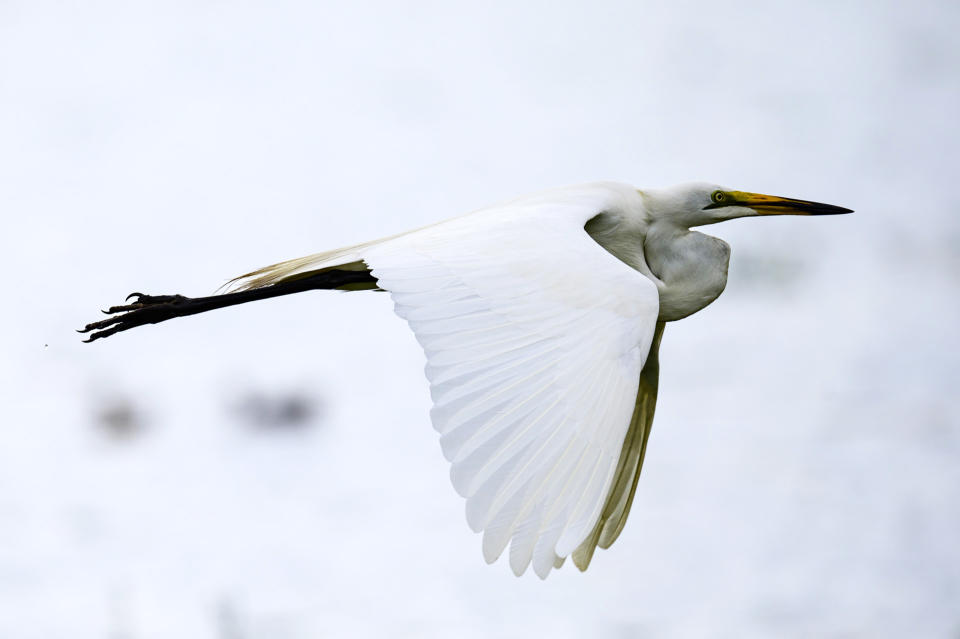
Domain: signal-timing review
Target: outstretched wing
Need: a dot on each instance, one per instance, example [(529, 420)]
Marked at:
[(535, 338)]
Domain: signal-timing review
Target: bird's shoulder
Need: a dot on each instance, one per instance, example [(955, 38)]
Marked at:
[(554, 217)]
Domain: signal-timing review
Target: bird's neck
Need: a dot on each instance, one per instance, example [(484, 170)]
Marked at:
[(691, 268)]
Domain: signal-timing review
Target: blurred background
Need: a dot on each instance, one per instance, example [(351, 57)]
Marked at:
[(269, 471)]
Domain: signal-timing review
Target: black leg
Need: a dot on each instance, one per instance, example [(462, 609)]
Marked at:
[(153, 309)]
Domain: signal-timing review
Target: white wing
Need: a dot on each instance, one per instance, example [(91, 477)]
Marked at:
[(535, 337)]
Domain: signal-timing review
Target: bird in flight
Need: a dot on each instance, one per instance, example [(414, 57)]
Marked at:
[(541, 319)]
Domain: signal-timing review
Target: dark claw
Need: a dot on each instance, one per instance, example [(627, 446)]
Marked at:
[(104, 333), (150, 300), (123, 309)]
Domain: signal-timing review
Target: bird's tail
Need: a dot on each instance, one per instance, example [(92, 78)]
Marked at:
[(343, 259)]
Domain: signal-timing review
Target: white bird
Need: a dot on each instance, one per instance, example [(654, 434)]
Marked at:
[(540, 319)]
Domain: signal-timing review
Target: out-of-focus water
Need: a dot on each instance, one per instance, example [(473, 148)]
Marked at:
[(802, 478)]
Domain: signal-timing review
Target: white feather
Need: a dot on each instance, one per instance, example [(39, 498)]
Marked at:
[(535, 337)]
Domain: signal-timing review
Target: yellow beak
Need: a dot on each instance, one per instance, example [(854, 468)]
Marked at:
[(775, 205)]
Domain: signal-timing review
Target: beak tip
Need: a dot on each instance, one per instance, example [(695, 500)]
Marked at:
[(842, 210)]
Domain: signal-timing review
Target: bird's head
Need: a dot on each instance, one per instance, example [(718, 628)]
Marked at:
[(699, 203)]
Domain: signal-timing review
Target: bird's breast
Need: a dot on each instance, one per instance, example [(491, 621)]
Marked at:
[(692, 269)]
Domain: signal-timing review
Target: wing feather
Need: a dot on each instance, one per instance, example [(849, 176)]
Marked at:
[(535, 339)]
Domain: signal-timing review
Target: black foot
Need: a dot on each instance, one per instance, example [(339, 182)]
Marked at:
[(145, 309)]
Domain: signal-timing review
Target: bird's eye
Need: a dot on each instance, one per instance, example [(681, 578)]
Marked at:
[(718, 196)]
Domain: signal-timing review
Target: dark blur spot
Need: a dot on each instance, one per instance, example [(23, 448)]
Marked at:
[(119, 418), (228, 620), (282, 411)]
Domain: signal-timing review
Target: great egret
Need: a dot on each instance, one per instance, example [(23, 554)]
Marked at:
[(540, 319)]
